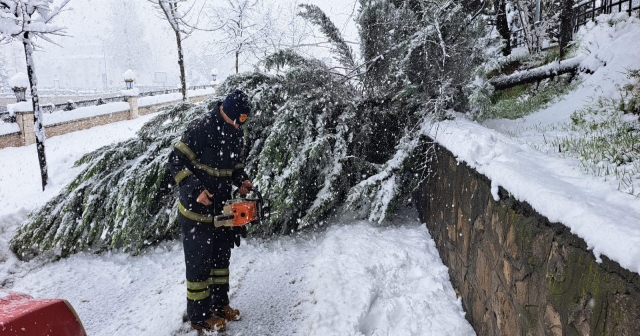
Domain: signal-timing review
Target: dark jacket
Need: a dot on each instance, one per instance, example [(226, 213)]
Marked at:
[(207, 157)]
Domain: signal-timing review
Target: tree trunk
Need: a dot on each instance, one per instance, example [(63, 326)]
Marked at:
[(566, 25), (183, 77), (37, 112), (171, 17), (502, 25), (237, 57), (534, 75)]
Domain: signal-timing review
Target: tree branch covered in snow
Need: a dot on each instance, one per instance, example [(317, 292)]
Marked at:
[(30, 16), (537, 74), (316, 16), (121, 200)]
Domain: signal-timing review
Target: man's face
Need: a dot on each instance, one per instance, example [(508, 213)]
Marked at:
[(228, 120)]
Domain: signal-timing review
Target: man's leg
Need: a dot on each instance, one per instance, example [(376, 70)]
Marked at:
[(197, 241), (220, 255)]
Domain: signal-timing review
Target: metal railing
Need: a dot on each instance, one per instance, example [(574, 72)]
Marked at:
[(588, 10), (48, 108), (583, 12), (518, 38)]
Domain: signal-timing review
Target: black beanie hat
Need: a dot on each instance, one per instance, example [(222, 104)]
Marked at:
[(237, 106)]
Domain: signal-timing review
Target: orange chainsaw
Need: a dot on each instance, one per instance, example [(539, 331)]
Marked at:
[(242, 211)]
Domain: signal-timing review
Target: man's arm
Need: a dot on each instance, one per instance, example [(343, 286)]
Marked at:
[(241, 179), (184, 153)]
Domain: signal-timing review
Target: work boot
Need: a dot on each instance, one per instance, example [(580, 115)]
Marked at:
[(215, 323), (227, 313)]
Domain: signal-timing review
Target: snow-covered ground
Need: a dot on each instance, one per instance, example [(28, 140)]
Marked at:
[(351, 278), (507, 152)]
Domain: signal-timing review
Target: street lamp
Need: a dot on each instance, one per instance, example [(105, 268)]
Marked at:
[(129, 77), (19, 83), (214, 74)]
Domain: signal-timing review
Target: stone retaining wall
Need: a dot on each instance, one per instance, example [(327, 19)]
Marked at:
[(517, 273), (25, 122), (85, 123), (10, 140)]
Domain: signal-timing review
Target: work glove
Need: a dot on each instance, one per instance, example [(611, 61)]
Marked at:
[(235, 234)]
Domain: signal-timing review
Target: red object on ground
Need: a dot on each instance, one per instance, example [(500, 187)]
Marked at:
[(22, 315)]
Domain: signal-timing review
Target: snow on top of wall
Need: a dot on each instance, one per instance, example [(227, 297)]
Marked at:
[(153, 100), (131, 93), (19, 80), (57, 117), (26, 106), (605, 218), (8, 128)]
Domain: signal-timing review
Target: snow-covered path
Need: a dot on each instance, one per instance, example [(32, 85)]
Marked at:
[(350, 278)]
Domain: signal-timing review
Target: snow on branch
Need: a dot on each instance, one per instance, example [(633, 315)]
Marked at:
[(34, 17), (316, 16), (534, 75)]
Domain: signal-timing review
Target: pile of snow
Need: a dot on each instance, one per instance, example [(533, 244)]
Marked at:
[(555, 186), (19, 80)]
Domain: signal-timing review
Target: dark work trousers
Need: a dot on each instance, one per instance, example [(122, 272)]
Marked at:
[(206, 254)]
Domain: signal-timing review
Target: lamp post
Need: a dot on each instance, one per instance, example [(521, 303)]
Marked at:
[(129, 77), (131, 93), (214, 75), (19, 83)]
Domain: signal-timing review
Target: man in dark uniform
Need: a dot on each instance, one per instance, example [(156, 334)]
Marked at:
[(205, 164)]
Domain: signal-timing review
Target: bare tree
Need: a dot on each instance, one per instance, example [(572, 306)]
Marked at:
[(26, 21), (244, 28), (173, 11), (287, 31)]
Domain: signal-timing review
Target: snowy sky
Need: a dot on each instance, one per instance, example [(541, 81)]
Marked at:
[(87, 23)]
